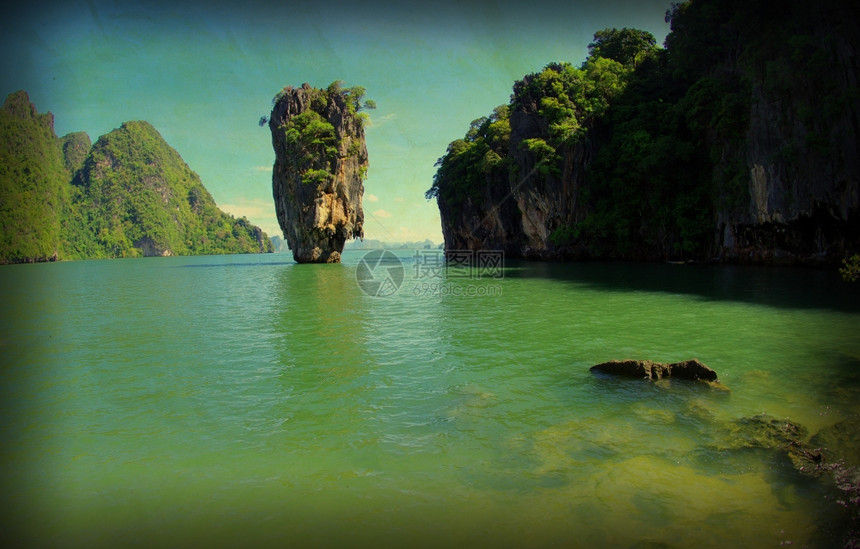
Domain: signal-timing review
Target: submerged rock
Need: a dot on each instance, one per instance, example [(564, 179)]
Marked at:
[(832, 450), (688, 369), (840, 442), (320, 165), (763, 431)]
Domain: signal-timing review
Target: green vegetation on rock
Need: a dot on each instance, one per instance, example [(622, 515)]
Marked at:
[(850, 269), (738, 138), (312, 143), (471, 162), (34, 189), (320, 166), (130, 194)]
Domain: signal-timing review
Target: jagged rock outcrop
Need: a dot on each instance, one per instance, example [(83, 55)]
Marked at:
[(320, 165), (489, 222), (688, 369)]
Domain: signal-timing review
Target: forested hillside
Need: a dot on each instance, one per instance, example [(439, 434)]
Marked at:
[(129, 194), (34, 183)]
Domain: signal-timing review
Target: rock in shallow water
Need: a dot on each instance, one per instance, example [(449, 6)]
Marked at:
[(688, 369)]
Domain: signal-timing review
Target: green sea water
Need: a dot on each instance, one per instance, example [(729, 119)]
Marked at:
[(249, 401)]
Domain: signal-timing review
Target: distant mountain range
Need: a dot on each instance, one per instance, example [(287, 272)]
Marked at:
[(280, 245), (129, 194), (372, 244)]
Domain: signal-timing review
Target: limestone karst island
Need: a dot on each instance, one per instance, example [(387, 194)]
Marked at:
[(736, 142), (320, 165)]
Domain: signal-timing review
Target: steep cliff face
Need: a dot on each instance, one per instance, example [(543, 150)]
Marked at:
[(738, 141), (802, 150), (546, 187), (489, 221), (320, 165), (514, 183)]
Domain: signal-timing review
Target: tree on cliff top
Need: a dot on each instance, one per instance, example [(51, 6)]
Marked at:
[(627, 46), (351, 96)]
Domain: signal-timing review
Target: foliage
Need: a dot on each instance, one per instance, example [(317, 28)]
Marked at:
[(316, 177), (661, 132), (474, 162), (625, 46), (351, 96), (147, 201), (321, 100), (648, 185), (310, 137), (562, 235), (33, 188), (75, 146), (850, 269), (570, 99), (312, 143), (565, 100), (130, 194)]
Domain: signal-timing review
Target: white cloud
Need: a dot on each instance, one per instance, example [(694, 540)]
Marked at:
[(399, 199), (258, 211), (372, 198), (376, 121), (250, 208), (409, 234), (381, 213), (262, 168)]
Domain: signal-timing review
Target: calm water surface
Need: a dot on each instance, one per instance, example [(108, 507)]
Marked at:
[(250, 401)]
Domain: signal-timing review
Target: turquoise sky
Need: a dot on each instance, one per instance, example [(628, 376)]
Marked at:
[(203, 73)]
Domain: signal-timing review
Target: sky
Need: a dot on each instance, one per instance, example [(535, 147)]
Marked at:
[(203, 73)]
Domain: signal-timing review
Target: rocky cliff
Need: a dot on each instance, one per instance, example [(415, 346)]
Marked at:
[(515, 182), (736, 141), (320, 165), (801, 150), (516, 204)]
